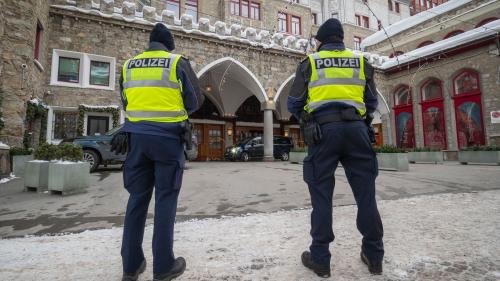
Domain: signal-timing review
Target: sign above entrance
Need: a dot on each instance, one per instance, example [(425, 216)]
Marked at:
[(495, 117)]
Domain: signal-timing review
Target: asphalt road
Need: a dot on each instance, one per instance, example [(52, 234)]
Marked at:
[(216, 189)]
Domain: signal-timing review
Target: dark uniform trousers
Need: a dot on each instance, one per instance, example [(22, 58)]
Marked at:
[(153, 161), (349, 143)]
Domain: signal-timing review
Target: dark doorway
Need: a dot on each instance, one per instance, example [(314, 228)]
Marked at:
[(97, 125)]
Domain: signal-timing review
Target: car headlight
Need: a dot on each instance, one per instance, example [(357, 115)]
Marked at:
[(235, 150)]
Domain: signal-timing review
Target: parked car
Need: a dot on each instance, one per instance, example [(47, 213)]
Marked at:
[(253, 148), (97, 149)]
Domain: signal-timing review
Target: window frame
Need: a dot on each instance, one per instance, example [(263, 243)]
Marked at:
[(389, 5), (366, 22), (280, 20), (84, 70), (187, 3), (90, 73), (354, 41), (397, 91), (425, 43), (291, 17), (397, 7), (176, 2), (250, 9), (453, 33), (314, 17), (38, 41), (425, 84), (357, 19)]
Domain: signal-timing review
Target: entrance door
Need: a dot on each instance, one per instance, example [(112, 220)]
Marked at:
[(97, 125), (215, 142)]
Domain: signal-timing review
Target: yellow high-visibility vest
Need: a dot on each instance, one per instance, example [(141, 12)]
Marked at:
[(337, 76), (152, 89)]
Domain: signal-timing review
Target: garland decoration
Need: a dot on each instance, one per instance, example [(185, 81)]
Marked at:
[(83, 108), (35, 109)]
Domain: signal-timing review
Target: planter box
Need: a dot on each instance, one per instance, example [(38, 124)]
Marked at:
[(36, 176), (297, 157), (19, 164), (393, 161), (68, 177), (483, 157), (426, 157)]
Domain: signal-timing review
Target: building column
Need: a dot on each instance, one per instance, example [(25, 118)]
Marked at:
[(268, 108)]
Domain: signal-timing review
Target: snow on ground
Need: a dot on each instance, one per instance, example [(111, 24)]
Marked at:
[(439, 237), (7, 179)]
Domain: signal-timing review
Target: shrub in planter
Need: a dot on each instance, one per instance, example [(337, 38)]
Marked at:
[(37, 171), (392, 158), (69, 174), (298, 154), (425, 155), (479, 154), (19, 157)]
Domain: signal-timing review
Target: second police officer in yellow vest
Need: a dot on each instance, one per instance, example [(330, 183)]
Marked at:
[(159, 91), (333, 96)]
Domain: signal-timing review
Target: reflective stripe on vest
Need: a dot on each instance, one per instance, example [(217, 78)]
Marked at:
[(337, 76), (152, 89)]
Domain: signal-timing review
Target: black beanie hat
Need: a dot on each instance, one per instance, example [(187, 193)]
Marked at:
[(161, 34), (332, 28)]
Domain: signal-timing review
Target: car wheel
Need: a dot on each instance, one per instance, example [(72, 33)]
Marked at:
[(245, 157), (284, 156), (92, 158)]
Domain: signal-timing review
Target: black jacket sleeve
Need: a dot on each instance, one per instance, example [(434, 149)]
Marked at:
[(191, 91), (298, 95), (370, 95)]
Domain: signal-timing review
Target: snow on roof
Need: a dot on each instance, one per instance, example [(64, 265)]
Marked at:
[(100, 106), (486, 30), (412, 21)]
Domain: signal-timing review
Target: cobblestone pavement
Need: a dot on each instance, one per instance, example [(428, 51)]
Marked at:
[(215, 189), (431, 237)]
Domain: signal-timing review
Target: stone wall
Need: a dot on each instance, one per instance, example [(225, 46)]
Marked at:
[(481, 60), (20, 75)]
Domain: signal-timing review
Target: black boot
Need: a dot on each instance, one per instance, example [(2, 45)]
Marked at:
[(134, 276), (321, 270), (375, 267), (176, 271)]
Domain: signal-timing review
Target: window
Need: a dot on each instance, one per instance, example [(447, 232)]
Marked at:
[(357, 43), (314, 18), (99, 73), (397, 53), (192, 9), (245, 8), (255, 11), (38, 40), (173, 5), (468, 109), (486, 21), (65, 125), (402, 97), (389, 4), (433, 115), (453, 33), (97, 125), (366, 22), (235, 7), (282, 24), (379, 25), (429, 4), (296, 26), (396, 5), (73, 69), (403, 111), (68, 70), (425, 43), (358, 20)]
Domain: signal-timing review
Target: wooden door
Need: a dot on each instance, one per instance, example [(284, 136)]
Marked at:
[(379, 138), (215, 142)]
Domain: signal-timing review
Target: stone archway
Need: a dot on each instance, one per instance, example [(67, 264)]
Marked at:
[(228, 83)]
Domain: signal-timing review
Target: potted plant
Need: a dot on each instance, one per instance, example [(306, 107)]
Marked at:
[(479, 154), (425, 155), (392, 158), (298, 154), (68, 174), (36, 176), (19, 158)]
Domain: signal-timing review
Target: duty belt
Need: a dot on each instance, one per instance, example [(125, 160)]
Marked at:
[(349, 114)]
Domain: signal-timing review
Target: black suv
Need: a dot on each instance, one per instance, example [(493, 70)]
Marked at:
[(253, 148)]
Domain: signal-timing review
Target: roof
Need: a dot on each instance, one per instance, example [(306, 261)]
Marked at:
[(487, 30), (412, 21)]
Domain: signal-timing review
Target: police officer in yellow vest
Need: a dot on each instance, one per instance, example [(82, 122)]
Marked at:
[(333, 96), (159, 91)]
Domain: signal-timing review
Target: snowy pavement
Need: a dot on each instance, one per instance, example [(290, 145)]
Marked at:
[(431, 237)]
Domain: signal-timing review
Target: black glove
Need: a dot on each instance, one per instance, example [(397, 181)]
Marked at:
[(119, 143), (187, 134)]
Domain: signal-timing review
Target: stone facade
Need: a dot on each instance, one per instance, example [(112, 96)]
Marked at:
[(21, 74)]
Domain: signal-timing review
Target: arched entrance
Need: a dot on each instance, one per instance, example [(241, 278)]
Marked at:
[(228, 84)]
